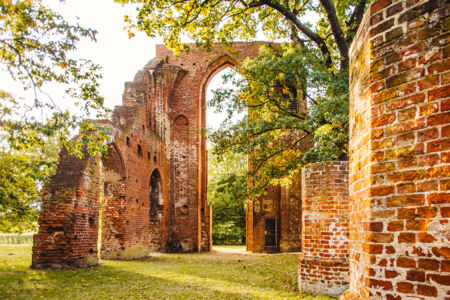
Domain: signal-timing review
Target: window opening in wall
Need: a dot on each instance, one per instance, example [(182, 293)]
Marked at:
[(148, 155), (155, 194), (128, 141), (139, 150), (292, 99)]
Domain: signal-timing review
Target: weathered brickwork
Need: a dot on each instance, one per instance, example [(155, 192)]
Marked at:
[(68, 231), (400, 152), (283, 206), (323, 263), (153, 182)]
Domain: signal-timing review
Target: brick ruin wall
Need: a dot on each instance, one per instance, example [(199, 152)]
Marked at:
[(153, 182), (399, 170), (400, 152), (323, 263), (69, 216), (285, 206)]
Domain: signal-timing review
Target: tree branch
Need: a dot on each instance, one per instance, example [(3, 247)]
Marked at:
[(300, 26), (339, 37), (265, 159), (356, 19)]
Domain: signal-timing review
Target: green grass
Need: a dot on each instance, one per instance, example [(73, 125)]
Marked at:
[(227, 273)]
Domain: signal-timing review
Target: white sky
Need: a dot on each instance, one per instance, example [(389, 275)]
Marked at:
[(120, 57)]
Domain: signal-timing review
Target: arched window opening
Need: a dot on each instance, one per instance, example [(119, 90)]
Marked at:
[(214, 119), (230, 212), (155, 194)]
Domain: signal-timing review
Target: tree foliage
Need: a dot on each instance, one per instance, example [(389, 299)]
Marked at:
[(37, 48), (22, 174), (227, 192), (278, 130), (211, 21), (310, 66)]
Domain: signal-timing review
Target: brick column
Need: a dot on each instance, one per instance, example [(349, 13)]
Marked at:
[(68, 222), (399, 148), (323, 264)]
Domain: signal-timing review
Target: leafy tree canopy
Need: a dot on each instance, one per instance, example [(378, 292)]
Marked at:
[(279, 132), (22, 174), (212, 21), (36, 48)]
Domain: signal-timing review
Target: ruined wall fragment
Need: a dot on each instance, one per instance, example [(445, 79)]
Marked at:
[(323, 263)]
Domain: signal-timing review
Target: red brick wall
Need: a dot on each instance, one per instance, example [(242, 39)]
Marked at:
[(187, 100), (156, 128), (68, 230), (282, 204), (399, 148), (323, 264)]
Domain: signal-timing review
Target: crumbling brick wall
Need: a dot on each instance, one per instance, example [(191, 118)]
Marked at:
[(68, 231), (155, 131), (399, 148), (283, 205), (323, 263)]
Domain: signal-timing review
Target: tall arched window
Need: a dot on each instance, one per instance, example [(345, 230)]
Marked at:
[(155, 193)]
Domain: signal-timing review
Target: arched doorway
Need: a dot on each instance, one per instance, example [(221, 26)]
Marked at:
[(155, 195), (155, 211), (226, 197), (113, 197)]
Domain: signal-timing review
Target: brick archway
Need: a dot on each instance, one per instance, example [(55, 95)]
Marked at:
[(114, 187), (188, 98), (146, 133)]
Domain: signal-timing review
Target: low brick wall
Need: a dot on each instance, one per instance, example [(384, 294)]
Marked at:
[(323, 264), (322, 276)]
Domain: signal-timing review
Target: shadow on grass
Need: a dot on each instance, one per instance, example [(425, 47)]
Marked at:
[(164, 276), (103, 282), (275, 273)]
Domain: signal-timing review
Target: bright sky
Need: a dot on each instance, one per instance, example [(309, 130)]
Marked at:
[(120, 57)]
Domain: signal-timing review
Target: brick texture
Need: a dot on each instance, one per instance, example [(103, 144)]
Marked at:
[(323, 263), (399, 149), (153, 182), (68, 232)]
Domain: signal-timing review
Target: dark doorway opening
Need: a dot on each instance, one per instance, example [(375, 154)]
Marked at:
[(270, 232)]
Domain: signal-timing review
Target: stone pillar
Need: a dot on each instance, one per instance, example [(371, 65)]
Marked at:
[(323, 263), (68, 222), (399, 148)]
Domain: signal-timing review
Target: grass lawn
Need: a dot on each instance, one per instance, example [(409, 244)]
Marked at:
[(226, 273)]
